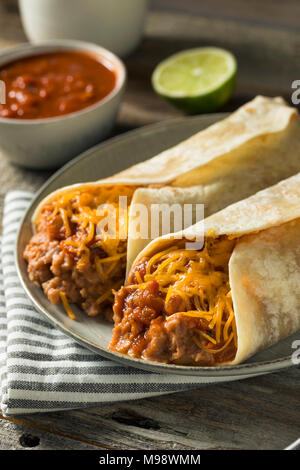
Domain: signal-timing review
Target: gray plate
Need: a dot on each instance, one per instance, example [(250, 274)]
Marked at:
[(102, 161)]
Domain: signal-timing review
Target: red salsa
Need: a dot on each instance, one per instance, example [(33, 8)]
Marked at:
[(54, 84)]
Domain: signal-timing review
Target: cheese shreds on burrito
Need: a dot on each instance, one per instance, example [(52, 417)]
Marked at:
[(254, 147), (220, 304), (66, 255)]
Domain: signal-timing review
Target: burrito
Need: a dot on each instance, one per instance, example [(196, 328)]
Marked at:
[(254, 147), (221, 302)]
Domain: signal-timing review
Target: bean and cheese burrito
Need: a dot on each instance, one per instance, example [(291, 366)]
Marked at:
[(220, 304), (254, 147)]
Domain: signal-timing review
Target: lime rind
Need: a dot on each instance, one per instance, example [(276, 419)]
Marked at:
[(196, 80), (187, 56)]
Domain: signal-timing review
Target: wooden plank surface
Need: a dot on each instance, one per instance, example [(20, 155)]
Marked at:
[(19, 436), (275, 13), (257, 413)]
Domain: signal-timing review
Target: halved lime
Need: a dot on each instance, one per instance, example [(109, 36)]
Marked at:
[(197, 80)]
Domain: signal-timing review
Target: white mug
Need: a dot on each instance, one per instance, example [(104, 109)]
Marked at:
[(114, 24)]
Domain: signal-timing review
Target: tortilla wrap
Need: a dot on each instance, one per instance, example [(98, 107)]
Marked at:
[(254, 147), (264, 266)]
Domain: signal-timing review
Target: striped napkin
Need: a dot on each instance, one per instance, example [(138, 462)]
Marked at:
[(41, 369)]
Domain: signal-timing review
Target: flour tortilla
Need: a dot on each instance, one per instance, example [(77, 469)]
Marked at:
[(264, 268), (165, 199), (256, 146)]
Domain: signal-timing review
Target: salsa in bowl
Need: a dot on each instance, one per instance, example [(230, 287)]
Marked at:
[(61, 98), (54, 83)]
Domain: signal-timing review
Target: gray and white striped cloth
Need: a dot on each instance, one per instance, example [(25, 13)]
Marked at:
[(41, 369)]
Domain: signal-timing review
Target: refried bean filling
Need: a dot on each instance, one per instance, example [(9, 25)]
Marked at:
[(69, 259), (178, 308)]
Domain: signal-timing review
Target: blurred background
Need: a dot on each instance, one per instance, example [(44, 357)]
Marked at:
[(264, 36)]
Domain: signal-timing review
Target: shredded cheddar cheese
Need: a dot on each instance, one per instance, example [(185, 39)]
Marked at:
[(198, 281), (66, 305), (77, 214)]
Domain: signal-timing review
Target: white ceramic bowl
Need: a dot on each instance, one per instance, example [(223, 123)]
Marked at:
[(114, 24), (51, 142)]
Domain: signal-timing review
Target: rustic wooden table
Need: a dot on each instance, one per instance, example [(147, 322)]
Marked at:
[(258, 413)]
